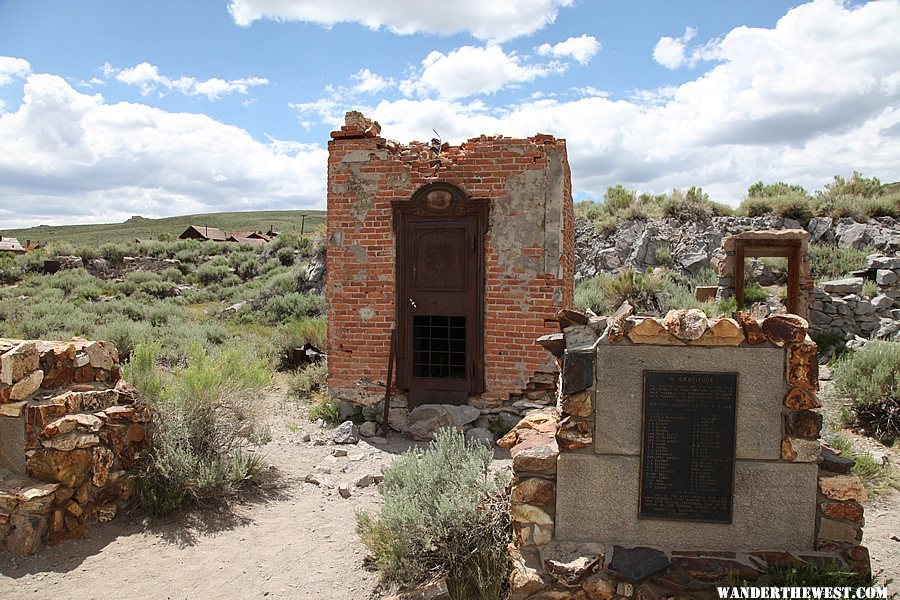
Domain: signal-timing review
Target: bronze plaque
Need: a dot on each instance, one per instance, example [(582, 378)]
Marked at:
[(687, 457)]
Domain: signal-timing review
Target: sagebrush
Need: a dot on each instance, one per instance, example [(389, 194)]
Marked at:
[(444, 511)]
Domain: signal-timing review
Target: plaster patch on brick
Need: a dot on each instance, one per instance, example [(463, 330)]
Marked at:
[(359, 253), (366, 313), (517, 220)]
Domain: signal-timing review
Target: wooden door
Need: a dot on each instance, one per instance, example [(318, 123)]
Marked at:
[(440, 291)]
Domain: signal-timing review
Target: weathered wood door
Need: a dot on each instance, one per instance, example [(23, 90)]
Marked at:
[(440, 295)]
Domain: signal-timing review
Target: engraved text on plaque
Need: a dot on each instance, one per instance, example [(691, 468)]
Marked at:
[(687, 457)]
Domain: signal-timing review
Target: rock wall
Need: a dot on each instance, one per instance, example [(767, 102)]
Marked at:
[(691, 243), (837, 307), (545, 445), (71, 429)]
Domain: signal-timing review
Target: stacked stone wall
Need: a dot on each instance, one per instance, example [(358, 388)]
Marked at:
[(71, 430), (838, 307)]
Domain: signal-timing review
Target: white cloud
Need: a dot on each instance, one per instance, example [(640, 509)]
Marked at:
[(69, 157), (148, 79), (815, 96), (496, 20), (471, 70), (368, 82), (670, 52), (581, 48), (13, 68)]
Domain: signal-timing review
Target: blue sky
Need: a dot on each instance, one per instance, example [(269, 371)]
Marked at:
[(110, 109)]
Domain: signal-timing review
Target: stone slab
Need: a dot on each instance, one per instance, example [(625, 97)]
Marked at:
[(598, 499), (619, 388), (12, 444)]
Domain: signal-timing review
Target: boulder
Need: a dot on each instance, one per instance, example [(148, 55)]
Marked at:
[(18, 362), (345, 433), (851, 285), (480, 435)]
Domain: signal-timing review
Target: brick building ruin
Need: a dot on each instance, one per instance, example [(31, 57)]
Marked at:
[(467, 250)]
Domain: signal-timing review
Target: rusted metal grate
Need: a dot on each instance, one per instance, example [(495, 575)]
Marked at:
[(439, 347)]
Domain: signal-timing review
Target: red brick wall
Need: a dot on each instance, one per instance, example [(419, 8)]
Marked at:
[(527, 278)]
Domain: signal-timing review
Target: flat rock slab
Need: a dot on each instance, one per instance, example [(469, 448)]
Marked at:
[(637, 564)]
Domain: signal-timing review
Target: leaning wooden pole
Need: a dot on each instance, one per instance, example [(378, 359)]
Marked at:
[(389, 383)]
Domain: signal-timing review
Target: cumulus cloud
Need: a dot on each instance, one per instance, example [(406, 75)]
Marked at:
[(148, 79), (368, 82), (670, 52), (496, 20), (13, 68), (815, 96), (69, 157), (581, 48), (471, 70)]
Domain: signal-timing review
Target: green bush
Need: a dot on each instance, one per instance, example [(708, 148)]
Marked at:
[(870, 380), (308, 381), (113, 253), (293, 306), (828, 262), (285, 256), (125, 335), (443, 511), (202, 420), (294, 334), (663, 256), (10, 272), (324, 408), (210, 273), (756, 207), (754, 293)]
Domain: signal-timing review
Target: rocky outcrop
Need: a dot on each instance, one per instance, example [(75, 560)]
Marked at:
[(688, 246)]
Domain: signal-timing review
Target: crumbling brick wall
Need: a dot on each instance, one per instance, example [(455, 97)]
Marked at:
[(529, 249)]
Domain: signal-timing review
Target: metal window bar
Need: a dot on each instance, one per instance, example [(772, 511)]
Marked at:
[(439, 347)]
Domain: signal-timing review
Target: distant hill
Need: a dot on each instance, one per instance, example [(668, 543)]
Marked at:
[(138, 227)]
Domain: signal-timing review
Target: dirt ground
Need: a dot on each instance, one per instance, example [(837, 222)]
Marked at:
[(289, 539)]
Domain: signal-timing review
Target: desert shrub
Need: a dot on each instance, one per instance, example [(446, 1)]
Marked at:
[(443, 511), (138, 277), (201, 426), (828, 262), (762, 190), (293, 306), (210, 273), (870, 380), (285, 256), (705, 277), (856, 185), (589, 295), (797, 206), (754, 293), (869, 289), (877, 476), (308, 381), (125, 335), (113, 253), (324, 408), (294, 334), (756, 207), (172, 274), (245, 264), (693, 204), (59, 248), (663, 255), (642, 290), (10, 272)]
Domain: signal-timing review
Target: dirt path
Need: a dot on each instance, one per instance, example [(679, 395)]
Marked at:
[(291, 539)]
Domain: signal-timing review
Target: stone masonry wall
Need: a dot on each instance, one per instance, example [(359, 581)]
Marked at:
[(838, 307), (545, 565), (529, 250), (70, 430)]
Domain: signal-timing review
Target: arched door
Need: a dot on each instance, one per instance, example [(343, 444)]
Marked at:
[(440, 295)]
